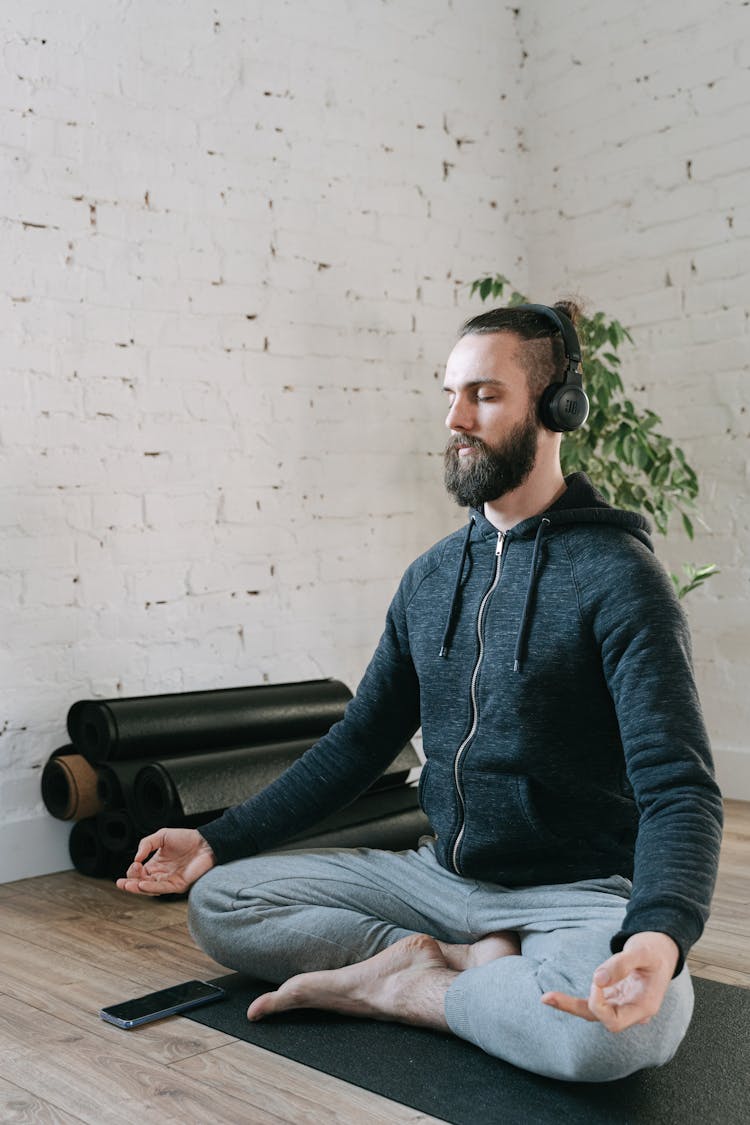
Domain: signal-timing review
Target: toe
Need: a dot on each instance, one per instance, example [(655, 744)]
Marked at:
[(262, 1006)]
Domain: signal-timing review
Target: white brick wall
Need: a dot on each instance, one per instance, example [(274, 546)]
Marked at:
[(236, 242), (638, 177)]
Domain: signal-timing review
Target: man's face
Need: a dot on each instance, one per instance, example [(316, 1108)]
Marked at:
[(493, 422)]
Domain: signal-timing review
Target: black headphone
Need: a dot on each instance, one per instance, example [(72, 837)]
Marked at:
[(564, 406)]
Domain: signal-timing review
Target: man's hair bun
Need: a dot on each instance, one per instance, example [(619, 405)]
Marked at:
[(570, 307)]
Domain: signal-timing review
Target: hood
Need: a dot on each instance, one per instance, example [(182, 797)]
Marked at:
[(581, 503)]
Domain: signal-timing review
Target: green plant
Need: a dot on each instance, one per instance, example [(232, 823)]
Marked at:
[(696, 576), (621, 448)]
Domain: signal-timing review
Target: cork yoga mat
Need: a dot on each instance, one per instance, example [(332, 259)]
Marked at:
[(69, 786)]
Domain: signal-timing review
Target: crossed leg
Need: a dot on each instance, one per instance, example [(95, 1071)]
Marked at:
[(405, 983), (364, 918)]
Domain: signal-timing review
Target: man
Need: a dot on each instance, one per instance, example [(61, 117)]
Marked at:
[(545, 656)]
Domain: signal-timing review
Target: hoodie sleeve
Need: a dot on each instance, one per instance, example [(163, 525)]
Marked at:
[(378, 721), (646, 656)]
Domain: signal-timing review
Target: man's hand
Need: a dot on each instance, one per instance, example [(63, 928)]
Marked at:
[(628, 988), (180, 856)]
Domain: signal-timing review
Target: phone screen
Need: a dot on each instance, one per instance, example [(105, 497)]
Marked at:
[(168, 1000)]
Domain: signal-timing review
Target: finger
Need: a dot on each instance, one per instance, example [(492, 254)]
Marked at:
[(571, 1004), (138, 882), (618, 967), (145, 887), (160, 885), (132, 886), (148, 845), (615, 1016), (618, 1019), (606, 1011)]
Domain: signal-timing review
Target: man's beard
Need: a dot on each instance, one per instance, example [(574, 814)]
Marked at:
[(491, 472)]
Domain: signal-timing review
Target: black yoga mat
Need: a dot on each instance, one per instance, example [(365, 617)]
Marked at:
[(89, 855), (144, 726), (115, 784), (170, 791), (707, 1083), (393, 833), (390, 819), (117, 832), (103, 846)]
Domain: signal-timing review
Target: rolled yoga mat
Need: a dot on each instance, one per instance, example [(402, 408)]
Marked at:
[(373, 806), (167, 792), (103, 846), (117, 832), (397, 832), (115, 784), (69, 786), (90, 857), (144, 726)]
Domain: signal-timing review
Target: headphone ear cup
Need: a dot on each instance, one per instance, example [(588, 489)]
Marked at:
[(563, 407)]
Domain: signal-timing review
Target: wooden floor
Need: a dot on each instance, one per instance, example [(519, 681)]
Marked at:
[(71, 945)]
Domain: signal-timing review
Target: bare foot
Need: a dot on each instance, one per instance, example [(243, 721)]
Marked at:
[(503, 943), (406, 982)]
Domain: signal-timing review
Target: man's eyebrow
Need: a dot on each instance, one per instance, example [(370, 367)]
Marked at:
[(476, 383)]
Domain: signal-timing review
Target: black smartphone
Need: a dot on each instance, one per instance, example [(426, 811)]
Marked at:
[(157, 1005)]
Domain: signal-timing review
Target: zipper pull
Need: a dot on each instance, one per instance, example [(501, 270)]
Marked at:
[(500, 542)]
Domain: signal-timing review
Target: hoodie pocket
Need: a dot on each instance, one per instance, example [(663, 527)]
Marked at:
[(500, 810), (540, 826)]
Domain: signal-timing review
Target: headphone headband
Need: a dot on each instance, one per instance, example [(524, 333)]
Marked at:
[(569, 335)]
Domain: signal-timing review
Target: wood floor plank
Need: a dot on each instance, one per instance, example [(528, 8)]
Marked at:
[(18, 1107), (25, 962), (9, 890), (723, 975), (21, 1026), (103, 1084), (78, 1004), (151, 961), (292, 1091), (100, 898), (721, 947), (177, 933), (21, 915)]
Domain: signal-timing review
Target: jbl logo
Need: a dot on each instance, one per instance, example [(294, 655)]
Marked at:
[(571, 406)]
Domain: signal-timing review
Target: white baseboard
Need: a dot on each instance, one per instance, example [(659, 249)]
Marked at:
[(733, 773), (33, 847)]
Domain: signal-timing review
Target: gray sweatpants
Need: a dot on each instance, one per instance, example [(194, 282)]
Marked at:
[(279, 914)]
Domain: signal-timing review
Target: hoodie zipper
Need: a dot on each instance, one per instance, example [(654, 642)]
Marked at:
[(473, 693)]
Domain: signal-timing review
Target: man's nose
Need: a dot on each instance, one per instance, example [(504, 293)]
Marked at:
[(459, 415)]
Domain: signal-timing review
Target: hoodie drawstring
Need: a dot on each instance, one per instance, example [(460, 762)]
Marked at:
[(456, 588), (523, 627)]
